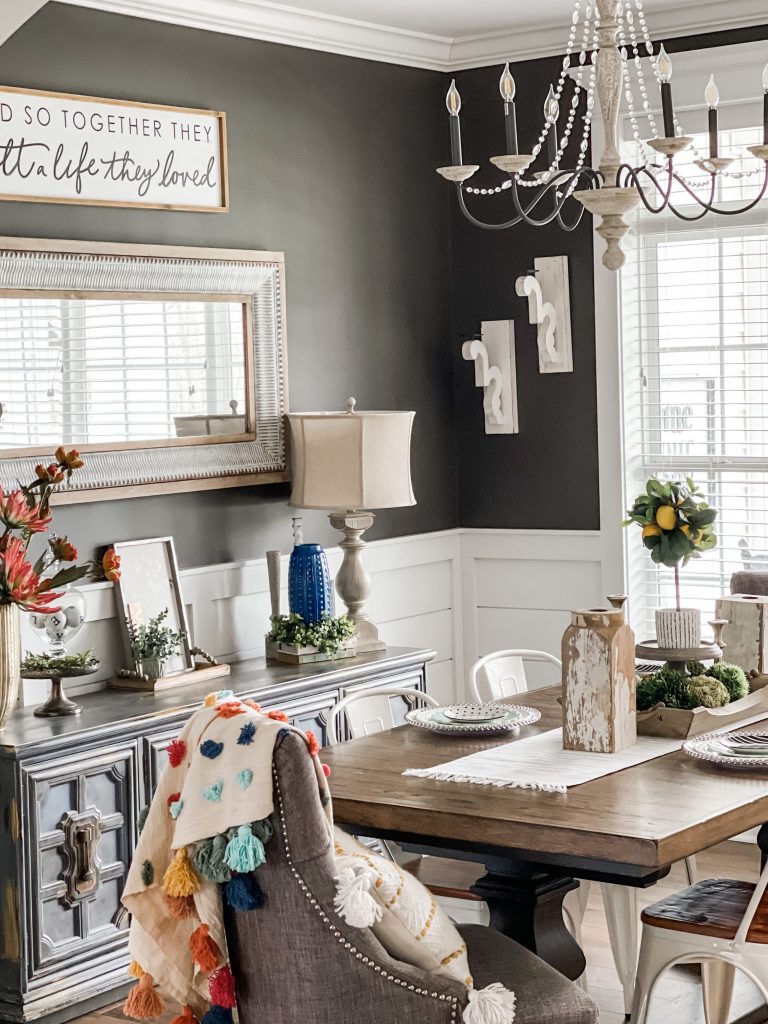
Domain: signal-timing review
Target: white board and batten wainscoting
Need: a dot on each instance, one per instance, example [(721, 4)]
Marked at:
[(463, 593)]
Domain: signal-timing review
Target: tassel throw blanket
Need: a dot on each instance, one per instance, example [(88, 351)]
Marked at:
[(202, 841), (205, 834)]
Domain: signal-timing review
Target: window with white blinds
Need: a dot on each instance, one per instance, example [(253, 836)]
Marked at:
[(694, 315)]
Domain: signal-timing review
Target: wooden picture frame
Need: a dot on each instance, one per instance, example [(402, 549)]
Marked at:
[(42, 121), (129, 469)]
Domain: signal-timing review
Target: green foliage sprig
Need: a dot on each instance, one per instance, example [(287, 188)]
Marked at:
[(327, 635), (65, 663), (154, 640), (711, 687)]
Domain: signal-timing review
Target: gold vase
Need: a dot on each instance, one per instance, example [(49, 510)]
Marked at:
[(10, 660)]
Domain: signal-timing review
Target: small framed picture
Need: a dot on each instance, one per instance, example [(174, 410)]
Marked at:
[(148, 587)]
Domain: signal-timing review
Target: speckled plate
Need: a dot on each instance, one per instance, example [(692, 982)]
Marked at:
[(434, 718), (475, 712), (731, 750)]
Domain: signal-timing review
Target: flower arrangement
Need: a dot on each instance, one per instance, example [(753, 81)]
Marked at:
[(24, 514), (711, 687), (152, 643), (328, 635), (677, 523)]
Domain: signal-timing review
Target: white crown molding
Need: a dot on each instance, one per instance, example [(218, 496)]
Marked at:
[(292, 26)]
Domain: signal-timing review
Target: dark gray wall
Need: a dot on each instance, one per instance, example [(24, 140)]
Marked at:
[(331, 160), (546, 476)]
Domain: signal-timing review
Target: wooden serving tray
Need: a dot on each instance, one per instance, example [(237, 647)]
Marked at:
[(672, 723), (200, 674)]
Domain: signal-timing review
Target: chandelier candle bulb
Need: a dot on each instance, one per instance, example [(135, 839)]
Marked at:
[(507, 90), (765, 105), (664, 67), (453, 103), (712, 98)]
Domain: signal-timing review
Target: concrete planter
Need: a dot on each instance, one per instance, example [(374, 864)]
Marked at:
[(678, 629)]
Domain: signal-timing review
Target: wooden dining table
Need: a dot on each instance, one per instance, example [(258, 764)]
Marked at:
[(626, 828)]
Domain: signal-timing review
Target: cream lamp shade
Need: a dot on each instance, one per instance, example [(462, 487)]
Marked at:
[(352, 460)]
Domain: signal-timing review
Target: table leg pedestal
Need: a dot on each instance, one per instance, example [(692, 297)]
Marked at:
[(528, 907)]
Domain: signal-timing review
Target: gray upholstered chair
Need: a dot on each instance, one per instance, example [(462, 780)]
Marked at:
[(295, 961), (748, 581)]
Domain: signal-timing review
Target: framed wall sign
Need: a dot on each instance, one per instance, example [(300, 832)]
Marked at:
[(59, 148)]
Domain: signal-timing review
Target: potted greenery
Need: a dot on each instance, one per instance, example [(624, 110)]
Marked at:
[(677, 525), (293, 640), (152, 644)]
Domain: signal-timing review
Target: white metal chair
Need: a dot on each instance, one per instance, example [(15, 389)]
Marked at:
[(370, 711), (502, 674), (721, 924)]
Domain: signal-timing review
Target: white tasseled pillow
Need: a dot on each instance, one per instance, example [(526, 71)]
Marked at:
[(374, 892)]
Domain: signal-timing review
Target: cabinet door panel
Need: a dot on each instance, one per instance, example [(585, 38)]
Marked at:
[(81, 812), (311, 713)]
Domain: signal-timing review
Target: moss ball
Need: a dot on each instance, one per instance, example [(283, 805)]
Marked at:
[(708, 692), (733, 679), (667, 686)]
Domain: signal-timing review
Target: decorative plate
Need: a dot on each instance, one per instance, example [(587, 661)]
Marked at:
[(731, 750), (435, 719), (475, 712)]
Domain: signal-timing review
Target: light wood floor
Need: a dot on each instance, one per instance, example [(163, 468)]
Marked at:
[(678, 1000)]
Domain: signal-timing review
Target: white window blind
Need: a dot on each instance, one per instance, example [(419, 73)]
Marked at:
[(694, 322)]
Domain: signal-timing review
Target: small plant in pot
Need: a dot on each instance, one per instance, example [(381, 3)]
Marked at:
[(152, 644), (677, 525)]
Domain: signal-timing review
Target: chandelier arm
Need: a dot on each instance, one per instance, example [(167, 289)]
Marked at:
[(566, 179), (631, 177), (709, 207), (572, 225), (482, 224)]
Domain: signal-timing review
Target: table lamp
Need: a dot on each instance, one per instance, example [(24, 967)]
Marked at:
[(349, 463)]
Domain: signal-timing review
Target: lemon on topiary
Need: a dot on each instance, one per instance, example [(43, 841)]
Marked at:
[(666, 517), (652, 530)]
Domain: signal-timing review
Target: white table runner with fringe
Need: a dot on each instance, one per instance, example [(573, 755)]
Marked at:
[(540, 763)]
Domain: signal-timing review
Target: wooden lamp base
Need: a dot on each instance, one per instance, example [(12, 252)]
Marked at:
[(353, 583)]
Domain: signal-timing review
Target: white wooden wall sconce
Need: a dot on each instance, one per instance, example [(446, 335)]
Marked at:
[(494, 357), (549, 306)]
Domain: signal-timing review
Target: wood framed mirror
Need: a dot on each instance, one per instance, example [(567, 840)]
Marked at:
[(164, 366)]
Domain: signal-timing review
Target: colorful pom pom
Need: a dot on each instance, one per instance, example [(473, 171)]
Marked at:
[(217, 1015), (277, 716), (244, 893), (213, 792), (211, 749), (142, 819), (326, 770), (230, 708), (179, 878), (244, 778), (135, 969), (173, 798), (180, 907), (143, 1001), (251, 703), (176, 750), (209, 860), (246, 734), (186, 1016), (147, 872), (244, 851), (312, 742), (204, 950), (175, 808), (222, 988), (210, 700)]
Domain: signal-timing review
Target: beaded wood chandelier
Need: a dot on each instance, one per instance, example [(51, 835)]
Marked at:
[(610, 60)]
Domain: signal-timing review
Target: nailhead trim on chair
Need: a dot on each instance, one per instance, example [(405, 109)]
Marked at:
[(335, 931)]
